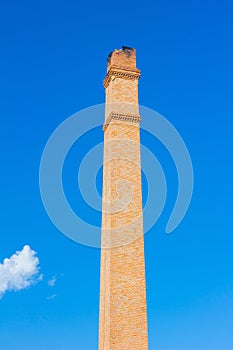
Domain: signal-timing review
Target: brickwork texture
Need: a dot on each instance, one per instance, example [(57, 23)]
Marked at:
[(123, 314)]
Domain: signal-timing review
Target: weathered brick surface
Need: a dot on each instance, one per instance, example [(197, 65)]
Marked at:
[(125, 59), (123, 316)]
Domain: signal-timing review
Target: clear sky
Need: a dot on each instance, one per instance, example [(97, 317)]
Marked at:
[(53, 61)]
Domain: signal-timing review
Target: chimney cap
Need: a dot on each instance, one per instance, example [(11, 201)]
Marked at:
[(127, 48), (123, 48)]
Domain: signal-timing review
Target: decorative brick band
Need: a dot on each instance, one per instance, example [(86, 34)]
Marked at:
[(132, 118), (121, 73)]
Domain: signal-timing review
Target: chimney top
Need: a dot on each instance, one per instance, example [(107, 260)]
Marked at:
[(124, 58), (127, 48)]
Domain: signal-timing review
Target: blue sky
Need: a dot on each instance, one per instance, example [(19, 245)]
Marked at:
[(53, 61)]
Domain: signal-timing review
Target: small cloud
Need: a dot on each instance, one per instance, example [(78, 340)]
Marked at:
[(40, 277), (19, 271), (52, 281), (51, 297)]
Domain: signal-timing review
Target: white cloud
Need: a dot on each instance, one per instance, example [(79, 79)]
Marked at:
[(19, 271), (52, 281), (51, 297)]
